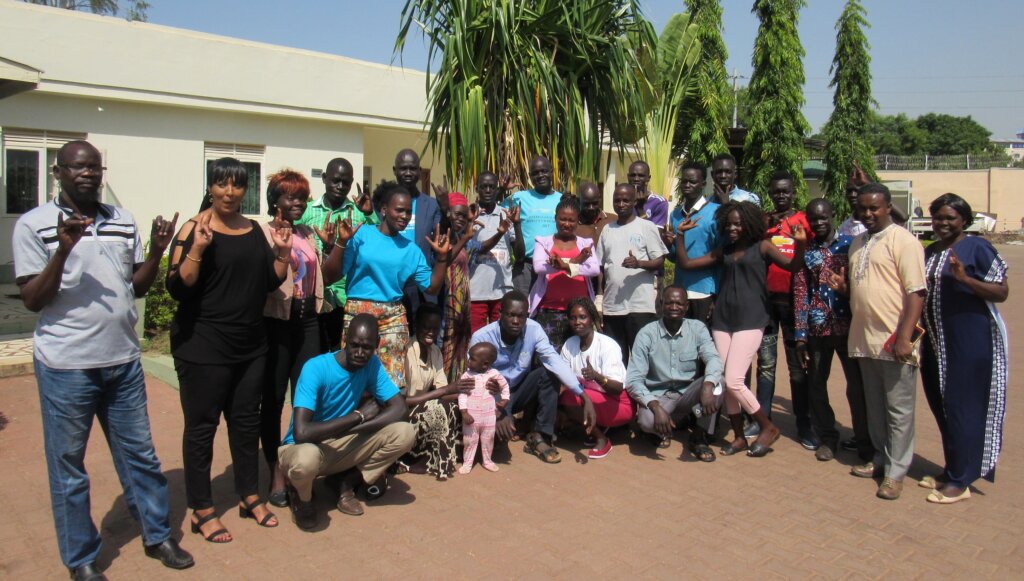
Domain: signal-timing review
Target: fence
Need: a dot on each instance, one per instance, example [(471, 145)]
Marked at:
[(939, 162)]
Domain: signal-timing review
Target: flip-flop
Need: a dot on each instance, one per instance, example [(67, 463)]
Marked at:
[(729, 450), (939, 498), (704, 453)]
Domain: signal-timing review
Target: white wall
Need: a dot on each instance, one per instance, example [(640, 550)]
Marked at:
[(154, 154)]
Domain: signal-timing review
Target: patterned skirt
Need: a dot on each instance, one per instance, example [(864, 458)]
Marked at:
[(394, 333), (555, 324), (438, 431)]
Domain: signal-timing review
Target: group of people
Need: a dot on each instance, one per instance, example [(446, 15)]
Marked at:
[(402, 326)]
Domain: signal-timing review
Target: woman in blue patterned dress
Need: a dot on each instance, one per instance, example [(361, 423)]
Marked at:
[(965, 357)]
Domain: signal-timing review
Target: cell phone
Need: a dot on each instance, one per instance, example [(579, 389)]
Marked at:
[(915, 336)]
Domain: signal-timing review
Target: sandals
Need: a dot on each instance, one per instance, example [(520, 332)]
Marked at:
[(533, 446), (703, 452), (246, 511), (212, 537), (729, 450), (759, 450)]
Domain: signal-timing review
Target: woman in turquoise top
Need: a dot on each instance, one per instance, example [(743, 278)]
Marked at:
[(377, 262)]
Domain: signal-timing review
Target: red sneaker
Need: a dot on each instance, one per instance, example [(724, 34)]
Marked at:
[(598, 453)]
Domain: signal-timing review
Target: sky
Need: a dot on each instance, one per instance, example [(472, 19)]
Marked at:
[(938, 56)]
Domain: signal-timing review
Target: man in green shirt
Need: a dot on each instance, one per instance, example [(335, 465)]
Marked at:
[(335, 206)]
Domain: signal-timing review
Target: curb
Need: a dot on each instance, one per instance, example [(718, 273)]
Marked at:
[(15, 366), (159, 366)]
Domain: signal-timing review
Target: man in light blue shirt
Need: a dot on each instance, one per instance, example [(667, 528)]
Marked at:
[(537, 214), (664, 375), (723, 173), (518, 340)]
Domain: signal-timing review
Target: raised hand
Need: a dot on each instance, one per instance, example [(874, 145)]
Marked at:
[(504, 226), (558, 262), (589, 373), (837, 281), (281, 232), (439, 243), (70, 231), (441, 193), (203, 234), (583, 255), (956, 268), (687, 224), (513, 214), (668, 236), (506, 184), (363, 201), (328, 232), (630, 261), (346, 231), (799, 234), (162, 233)]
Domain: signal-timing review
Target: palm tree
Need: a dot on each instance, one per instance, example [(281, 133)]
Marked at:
[(518, 79), (136, 8), (674, 78)]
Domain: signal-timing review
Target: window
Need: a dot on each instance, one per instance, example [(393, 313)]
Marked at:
[(251, 157), (28, 156)]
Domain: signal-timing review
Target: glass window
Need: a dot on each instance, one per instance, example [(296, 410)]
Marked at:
[(251, 200), (21, 180)]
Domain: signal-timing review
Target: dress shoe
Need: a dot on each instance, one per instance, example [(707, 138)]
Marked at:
[(303, 513), (890, 489), (88, 572), (170, 554), (868, 470), (850, 445), (824, 454)]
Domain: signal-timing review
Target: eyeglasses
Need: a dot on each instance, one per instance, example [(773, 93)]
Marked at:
[(81, 167)]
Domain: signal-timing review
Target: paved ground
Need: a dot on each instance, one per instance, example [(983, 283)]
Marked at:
[(636, 513)]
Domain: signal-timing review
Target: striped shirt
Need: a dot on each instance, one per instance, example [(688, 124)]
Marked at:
[(314, 216)]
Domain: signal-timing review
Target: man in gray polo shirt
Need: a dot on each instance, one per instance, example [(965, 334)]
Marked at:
[(80, 264)]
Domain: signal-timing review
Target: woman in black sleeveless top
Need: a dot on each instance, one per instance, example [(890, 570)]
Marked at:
[(220, 271), (741, 308)]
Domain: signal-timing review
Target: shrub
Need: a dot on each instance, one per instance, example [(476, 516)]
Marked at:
[(160, 307)]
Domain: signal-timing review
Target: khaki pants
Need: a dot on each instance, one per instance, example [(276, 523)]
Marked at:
[(371, 453)]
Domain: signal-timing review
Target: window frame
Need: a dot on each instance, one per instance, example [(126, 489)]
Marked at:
[(247, 154), (44, 144)]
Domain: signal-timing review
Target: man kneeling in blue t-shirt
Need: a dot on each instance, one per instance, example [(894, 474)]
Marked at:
[(330, 435)]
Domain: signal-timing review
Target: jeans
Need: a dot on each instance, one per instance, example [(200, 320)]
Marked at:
[(116, 395), (781, 315)]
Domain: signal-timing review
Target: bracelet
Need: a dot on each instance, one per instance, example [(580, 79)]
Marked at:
[(282, 259), (362, 418), (604, 380), (196, 260)]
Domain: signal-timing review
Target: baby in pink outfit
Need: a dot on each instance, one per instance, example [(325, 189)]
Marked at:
[(478, 407)]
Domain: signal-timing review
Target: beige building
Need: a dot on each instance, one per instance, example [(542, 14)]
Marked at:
[(160, 102), (996, 191)]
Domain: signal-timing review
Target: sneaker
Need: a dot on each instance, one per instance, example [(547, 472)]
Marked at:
[(824, 454), (850, 445), (810, 441), (867, 470), (890, 489), (751, 431), (598, 453)]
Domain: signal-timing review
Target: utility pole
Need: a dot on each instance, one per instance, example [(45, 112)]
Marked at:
[(735, 97)]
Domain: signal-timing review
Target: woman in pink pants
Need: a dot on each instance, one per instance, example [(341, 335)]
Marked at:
[(741, 308)]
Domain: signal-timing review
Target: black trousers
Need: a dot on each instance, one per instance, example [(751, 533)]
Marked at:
[(290, 344), (331, 325), (701, 309), (623, 328), (207, 391), (540, 386)]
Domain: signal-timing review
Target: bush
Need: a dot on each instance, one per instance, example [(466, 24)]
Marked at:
[(160, 307)]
